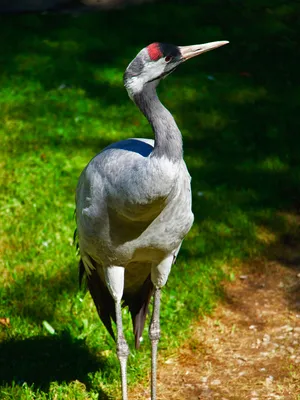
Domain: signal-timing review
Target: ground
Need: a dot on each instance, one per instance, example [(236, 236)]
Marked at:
[(249, 347)]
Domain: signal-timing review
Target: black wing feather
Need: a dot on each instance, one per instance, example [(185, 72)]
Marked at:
[(138, 303)]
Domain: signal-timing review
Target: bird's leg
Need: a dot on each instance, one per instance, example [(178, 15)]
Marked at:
[(154, 334), (115, 282), (159, 277), (122, 350)]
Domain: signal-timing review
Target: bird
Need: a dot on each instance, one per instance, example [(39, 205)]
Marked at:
[(134, 208)]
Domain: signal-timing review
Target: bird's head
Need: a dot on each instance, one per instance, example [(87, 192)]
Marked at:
[(158, 60)]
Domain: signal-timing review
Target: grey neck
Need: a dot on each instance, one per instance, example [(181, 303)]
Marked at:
[(168, 139)]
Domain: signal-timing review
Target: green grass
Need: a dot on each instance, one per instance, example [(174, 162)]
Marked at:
[(62, 100)]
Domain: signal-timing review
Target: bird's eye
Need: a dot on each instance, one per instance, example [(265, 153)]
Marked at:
[(168, 58)]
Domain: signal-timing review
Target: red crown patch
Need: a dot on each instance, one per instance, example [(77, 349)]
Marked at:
[(154, 51)]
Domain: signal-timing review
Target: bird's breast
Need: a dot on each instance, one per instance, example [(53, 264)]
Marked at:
[(137, 214), (143, 190)]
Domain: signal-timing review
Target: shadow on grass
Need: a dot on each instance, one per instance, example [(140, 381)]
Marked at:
[(237, 107), (41, 360), (241, 119), (25, 299)]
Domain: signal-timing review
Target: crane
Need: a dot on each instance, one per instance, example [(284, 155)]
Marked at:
[(133, 208)]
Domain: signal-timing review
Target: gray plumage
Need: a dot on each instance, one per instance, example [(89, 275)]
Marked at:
[(133, 206), (135, 210)]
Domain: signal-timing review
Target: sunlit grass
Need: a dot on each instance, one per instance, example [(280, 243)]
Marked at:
[(61, 101)]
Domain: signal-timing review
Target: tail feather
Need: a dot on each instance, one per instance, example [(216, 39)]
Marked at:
[(81, 273), (101, 296), (138, 305), (104, 302)]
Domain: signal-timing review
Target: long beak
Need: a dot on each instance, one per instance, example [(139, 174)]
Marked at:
[(188, 52)]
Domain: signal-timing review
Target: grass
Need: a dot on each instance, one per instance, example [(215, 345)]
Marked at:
[(62, 100)]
